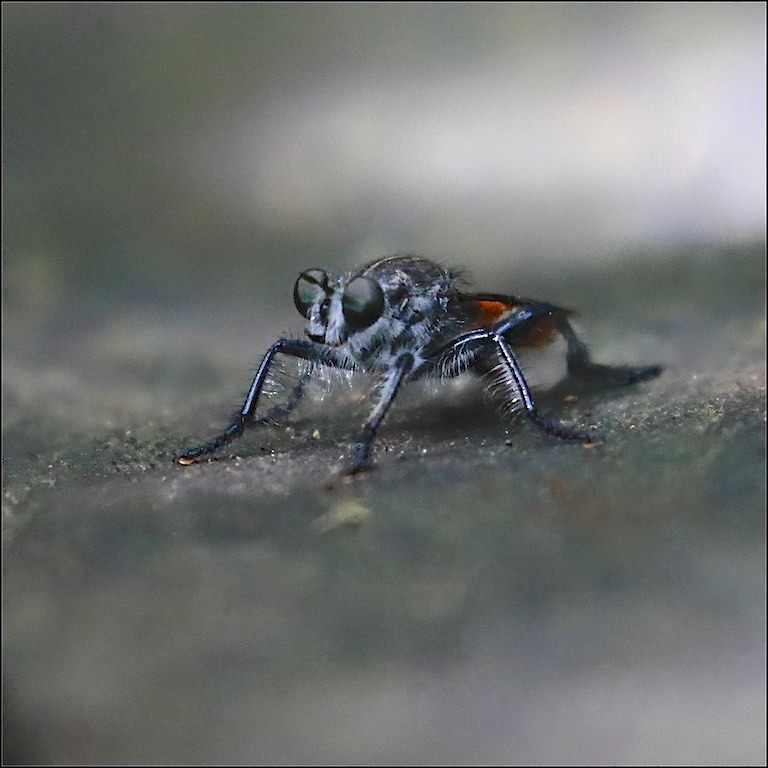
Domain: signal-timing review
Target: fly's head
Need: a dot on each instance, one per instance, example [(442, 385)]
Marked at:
[(338, 309), (391, 306)]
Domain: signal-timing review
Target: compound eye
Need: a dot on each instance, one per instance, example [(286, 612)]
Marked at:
[(362, 303), (310, 288)]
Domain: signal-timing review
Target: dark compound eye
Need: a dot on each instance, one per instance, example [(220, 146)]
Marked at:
[(362, 303), (311, 286)]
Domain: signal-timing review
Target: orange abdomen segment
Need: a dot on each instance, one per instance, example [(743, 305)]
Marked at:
[(484, 313), (544, 332)]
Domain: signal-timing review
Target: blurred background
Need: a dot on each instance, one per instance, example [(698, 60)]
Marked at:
[(168, 169), (163, 154)]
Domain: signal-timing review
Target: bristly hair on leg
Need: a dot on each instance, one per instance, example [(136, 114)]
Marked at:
[(458, 362), (501, 388)]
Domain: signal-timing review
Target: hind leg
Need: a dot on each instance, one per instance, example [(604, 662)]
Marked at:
[(581, 366)]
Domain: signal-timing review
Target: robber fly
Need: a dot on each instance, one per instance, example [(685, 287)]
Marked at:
[(404, 318)]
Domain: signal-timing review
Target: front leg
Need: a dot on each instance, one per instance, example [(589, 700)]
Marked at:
[(295, 347), (361, 453)]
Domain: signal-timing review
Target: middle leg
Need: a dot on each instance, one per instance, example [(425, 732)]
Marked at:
[(522, 390)]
